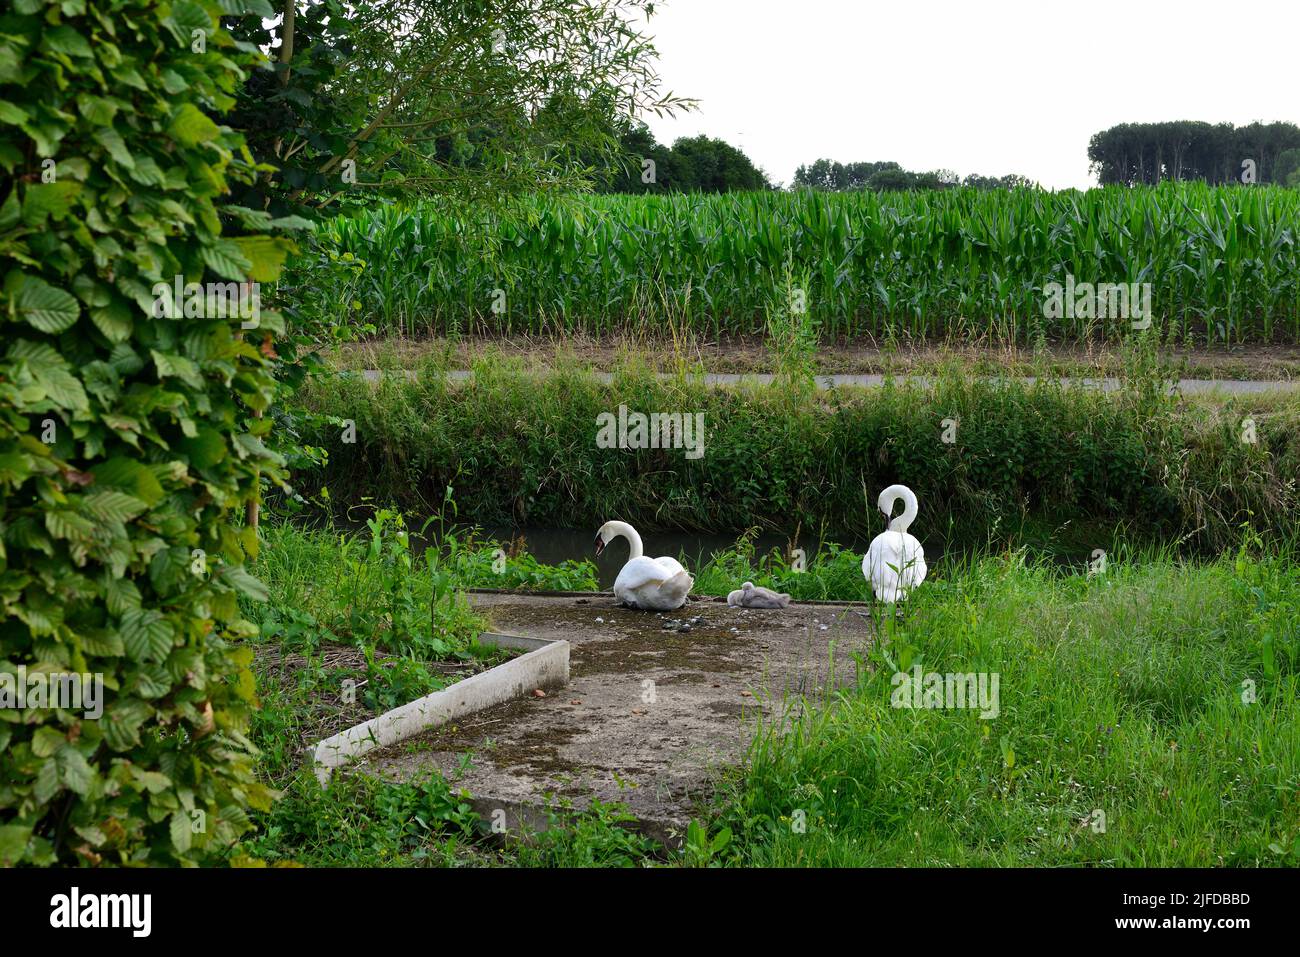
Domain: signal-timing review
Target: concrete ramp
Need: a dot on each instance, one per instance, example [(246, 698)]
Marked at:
[(656, 705)]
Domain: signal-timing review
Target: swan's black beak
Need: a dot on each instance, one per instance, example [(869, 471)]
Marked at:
[(600, 545)]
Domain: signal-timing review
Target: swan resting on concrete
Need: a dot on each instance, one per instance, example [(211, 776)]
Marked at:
[(895, 562), (751, 596), (650, 584)]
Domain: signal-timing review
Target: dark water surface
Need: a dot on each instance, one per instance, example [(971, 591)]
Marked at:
[(1059, 546)]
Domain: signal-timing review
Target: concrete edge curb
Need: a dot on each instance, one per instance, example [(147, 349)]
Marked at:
[(544, 664)]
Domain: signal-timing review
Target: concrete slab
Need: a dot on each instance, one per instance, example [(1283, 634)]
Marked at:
[(650, 715)]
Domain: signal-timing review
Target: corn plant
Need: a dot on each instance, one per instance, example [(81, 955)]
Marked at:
[(1222, 262)]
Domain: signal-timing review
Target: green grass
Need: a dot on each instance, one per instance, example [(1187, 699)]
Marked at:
[(1223, 262), (1120, 692), (1122, 695), (485, 563), (356, 624)]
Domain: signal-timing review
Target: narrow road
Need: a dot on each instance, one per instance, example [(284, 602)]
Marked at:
[(1187, 386)]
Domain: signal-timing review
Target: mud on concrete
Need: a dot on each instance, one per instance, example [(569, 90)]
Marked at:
[(650, 716)]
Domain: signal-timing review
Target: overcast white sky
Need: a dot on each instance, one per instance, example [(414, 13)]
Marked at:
[(976, 86)]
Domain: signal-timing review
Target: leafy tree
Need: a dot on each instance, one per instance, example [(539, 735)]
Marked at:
[(469, 100), (829, 175), (858, 175), (692, 164), (1133, 153), (298, 111), (930, 180), (826, 174), (888, 180), (625, 174), (704, 164), (127, 451), (1288, 167)]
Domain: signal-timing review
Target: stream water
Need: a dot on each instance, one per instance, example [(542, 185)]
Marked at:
[(554, 545)]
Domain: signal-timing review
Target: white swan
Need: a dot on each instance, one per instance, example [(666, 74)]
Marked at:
[(751, 596), (655, 584), (895, 562)]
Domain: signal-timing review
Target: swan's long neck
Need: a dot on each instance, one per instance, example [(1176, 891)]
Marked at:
[(901, 523), (628, 532)]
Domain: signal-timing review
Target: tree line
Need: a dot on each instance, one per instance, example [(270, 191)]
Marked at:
[(886, 175), (709, 165), (1146, 153), (698, 164), (1128, 154)]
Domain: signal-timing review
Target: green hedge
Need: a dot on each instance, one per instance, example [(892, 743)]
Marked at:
[(522, 450), (126, 448)]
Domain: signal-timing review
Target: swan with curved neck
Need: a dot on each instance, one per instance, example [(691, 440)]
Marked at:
[(886, 502), (895, 562), (612, 530), (654, 584)]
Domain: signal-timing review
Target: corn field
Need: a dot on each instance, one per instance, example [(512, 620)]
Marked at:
[(1223, 263)]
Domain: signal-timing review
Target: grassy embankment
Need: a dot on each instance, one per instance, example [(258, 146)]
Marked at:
[(995, 463)]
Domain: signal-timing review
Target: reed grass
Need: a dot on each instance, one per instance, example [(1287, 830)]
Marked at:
[(1079, 466)]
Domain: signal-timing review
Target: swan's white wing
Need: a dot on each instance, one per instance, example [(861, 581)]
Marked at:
[(670, 594), (643, 571), (671, 563), (914, 568), (644, 583), (894, 564), (876, 567)]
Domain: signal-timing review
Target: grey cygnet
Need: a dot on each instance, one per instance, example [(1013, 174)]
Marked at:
[(750, 596)]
